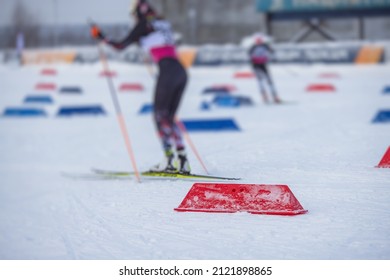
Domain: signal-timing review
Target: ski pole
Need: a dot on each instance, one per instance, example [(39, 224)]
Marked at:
[(149, 67), (118, 110), (188, 139)]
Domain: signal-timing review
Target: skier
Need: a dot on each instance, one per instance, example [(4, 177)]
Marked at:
[(260, 54), (155, 36)]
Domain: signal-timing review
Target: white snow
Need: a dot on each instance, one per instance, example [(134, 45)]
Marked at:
[(322, 145)]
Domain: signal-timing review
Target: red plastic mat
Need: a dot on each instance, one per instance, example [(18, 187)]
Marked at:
[(231, 198)]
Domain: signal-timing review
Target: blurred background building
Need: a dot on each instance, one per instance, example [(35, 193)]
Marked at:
[(48, 23), (223, 21)]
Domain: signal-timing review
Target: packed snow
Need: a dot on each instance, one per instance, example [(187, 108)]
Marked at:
[(324, 146)]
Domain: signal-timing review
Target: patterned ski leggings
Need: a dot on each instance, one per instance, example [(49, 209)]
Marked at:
[(168, 93), (264, 78)]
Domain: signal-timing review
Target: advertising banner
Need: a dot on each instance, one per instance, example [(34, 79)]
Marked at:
[(319, 5), (366, 54)]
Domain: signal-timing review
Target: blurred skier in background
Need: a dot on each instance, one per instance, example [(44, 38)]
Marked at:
[(260, 55), (153, 33)]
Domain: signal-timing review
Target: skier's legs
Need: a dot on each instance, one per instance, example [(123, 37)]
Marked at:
[(164, 127), (163, 124), (183, 165), (260, 78), (176, 133), (271, 85), (169, 90)]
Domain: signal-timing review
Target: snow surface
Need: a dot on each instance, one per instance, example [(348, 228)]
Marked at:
[(322, 145)]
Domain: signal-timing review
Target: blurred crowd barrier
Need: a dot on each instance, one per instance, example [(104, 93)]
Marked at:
[(302, 53), (39, 57), (214, 55)]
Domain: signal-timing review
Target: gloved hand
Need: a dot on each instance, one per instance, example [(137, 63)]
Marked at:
[(96, 33)]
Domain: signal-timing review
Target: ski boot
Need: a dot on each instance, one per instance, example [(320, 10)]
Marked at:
[(166, 165), (277, 100), (265, 97), (183, 164)]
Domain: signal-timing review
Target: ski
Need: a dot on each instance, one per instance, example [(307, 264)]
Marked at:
[(288, 102), (153, 174)]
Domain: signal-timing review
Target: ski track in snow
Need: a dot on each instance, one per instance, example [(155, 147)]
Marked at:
[(323, 146)]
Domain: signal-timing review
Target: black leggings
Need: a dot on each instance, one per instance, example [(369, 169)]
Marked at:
[(263, 77), (170, 86)]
